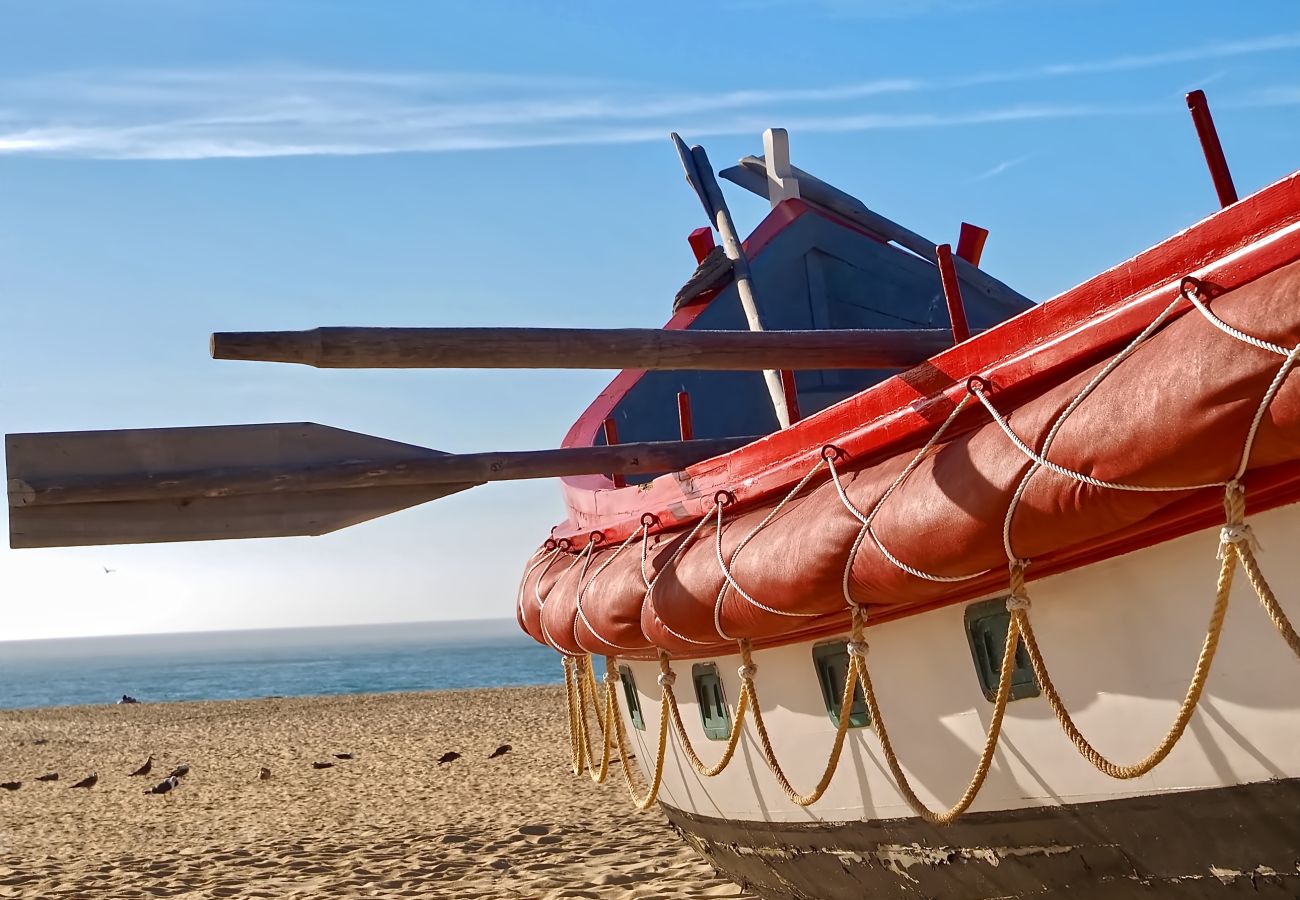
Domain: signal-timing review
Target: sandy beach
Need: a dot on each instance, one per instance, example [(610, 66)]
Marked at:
[(392, 822)]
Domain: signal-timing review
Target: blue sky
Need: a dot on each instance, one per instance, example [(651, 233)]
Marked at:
[(169, 168)]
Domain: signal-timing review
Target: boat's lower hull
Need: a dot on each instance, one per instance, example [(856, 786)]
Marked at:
[(1204, 843)]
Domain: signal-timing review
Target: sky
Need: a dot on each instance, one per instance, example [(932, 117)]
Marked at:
[(169, 168)]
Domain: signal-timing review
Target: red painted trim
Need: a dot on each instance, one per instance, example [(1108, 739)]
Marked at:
[(1021, 357), (952, 294)]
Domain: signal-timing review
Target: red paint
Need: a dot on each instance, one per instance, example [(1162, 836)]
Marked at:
[(791, 393), (684, 421), (952, 293), (701, 241), (1213, 150), (610, 428), (970, 242), (1037, 347)]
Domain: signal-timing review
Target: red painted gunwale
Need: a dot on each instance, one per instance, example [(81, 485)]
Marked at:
[(1020, 357)]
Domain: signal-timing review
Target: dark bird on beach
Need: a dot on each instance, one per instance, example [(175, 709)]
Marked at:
[(180, 771), (264, 774), (169, 783), (449, 756), (11, 785), (87, 782), (322, 765), (48, 776), (144, 770), (344, 756), (500, 751)]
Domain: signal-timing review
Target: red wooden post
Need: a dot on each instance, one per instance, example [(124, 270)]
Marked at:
[(701, 241), (970, 243), (791, 395), (1213, 150), (952, 293), (684, 416), (611, 438)]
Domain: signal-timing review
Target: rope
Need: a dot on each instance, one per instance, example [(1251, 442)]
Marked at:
[(667, 679), (646, 800), (582, 590), (541, 601), (765, 740)]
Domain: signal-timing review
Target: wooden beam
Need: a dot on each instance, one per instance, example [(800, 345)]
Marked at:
[(32, 486), (583, 348), (751, 174)]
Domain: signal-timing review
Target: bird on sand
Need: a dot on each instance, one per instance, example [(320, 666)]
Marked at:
[(88, 781), (144, 770), (449, 756), (48, 776), (500, 751), (180, 771), (264, 774), (167, 784), (344, 756), (11, 785), (322, 765)]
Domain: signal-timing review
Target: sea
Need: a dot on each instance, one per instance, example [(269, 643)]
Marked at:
[(279, 662)]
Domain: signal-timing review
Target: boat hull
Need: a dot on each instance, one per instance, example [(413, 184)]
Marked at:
[(1204, 843), (1120, 637)]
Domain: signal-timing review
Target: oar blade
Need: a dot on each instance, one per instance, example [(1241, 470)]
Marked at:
[(78, 456)]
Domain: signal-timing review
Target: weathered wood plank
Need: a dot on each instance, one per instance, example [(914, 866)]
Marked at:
[(583, 348), (84, 477)]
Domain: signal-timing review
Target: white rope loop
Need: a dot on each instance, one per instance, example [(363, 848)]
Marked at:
[(582, 590)]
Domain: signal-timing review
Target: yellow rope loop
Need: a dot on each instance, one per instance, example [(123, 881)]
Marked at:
[(832, 763), (667, 677), (646, 800), (586, 690), (589, 681), (571, 703), (1243, 540), (976, 782), (1020, 621)]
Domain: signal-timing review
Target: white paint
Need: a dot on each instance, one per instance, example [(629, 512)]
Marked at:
[(781, 181)]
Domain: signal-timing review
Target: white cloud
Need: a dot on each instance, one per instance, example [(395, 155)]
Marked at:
[(287, 111), (995, 171)]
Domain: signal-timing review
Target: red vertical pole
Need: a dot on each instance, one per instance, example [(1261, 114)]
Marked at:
[(791, 394), (952, 293), (684, 420), (611, 438), (1211, 147), (701, 241), (970, 243)]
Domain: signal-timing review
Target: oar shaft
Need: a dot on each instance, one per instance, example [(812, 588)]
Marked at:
[(434, 468), (584, 348)]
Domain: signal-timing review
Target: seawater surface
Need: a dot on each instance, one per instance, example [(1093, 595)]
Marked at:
[(289, 662)]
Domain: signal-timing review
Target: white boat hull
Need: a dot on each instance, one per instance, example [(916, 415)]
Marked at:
[(1120, 638)]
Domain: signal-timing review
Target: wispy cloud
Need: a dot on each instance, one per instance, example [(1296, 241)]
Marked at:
[(1005, 165), (290, 111)]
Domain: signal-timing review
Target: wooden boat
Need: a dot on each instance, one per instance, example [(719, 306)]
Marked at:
[(944, 619), (1029, 531)]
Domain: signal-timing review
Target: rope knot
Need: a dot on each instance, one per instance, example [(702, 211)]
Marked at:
[(667, 678), (858, 649), (1237, 534), (1018, 600), (612, 677), (747, 672)]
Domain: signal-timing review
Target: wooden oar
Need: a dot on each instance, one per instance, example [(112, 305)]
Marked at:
[(699, 173), (236, 481), (584, 348)]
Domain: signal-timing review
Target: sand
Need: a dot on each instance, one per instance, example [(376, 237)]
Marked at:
[(390, 823)]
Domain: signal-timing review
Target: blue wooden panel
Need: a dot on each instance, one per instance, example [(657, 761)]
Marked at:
[(815, 274)]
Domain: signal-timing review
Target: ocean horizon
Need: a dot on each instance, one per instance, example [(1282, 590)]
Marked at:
[(272, 662)]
